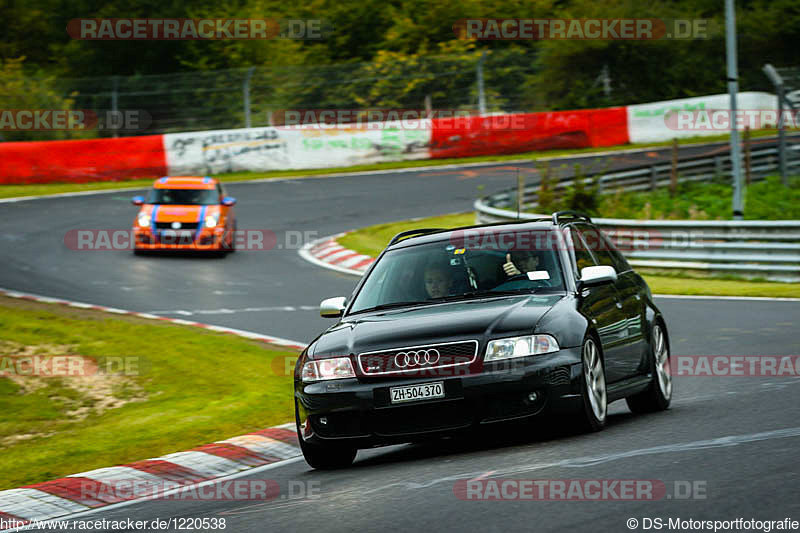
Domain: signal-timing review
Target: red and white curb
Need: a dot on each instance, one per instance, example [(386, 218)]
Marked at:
[(78, 493), (328, 253)]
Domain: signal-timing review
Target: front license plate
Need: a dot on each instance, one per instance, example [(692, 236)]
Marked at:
[(176, 235), (413, 393)]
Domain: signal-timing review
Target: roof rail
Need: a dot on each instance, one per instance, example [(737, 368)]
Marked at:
[(411, 233), (571, 214)]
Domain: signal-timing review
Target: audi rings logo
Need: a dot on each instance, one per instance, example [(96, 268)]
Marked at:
[(416, 358)]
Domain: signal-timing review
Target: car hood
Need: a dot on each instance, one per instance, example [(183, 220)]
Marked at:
[(444, 322), (182, 213)]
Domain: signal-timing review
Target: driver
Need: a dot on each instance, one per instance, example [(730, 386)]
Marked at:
[(437, 281), (519, 262)]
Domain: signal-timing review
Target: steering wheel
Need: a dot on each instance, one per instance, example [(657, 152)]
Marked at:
[(521, 281)]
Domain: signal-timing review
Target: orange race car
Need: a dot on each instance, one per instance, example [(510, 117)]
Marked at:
[(185, 213)]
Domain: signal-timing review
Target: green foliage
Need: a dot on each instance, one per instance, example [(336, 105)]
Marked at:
[(546, 198), (20, 91), (579, 196), (764, 200), (397, 53)]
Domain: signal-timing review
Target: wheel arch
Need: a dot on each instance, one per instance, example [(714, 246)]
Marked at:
[(566, 323)]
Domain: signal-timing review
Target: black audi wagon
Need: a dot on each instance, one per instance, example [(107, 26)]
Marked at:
[(459, 328)]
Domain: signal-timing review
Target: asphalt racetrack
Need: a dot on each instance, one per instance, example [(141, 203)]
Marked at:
[(734, 440)]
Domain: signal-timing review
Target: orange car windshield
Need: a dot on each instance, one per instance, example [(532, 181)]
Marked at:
[(183, 197)]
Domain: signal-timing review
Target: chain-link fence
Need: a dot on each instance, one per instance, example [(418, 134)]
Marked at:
[(237, 98)]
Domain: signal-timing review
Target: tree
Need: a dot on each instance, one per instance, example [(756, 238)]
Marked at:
[(21, 92)]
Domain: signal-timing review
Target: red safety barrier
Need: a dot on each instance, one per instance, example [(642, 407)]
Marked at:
[(526, 132), (80, 161)]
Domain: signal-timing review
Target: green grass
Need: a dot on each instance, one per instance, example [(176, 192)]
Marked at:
[(764, 200), (192, 387), (12, 191), (373, 239), (700, 286)]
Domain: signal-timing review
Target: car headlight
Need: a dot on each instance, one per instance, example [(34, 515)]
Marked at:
[(520, 347), (323, 369), (143, 219), (211, 220)]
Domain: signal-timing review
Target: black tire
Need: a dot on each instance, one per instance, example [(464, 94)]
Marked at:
[(232, 247), (658, 394), (590, 418), (327, 456)]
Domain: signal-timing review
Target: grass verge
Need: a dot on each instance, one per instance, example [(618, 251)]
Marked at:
[(373, 239), (12, 191), (161, 388), (764, 200)]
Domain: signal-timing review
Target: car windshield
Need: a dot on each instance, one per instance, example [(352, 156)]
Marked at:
[(183, 196), (462, 269)]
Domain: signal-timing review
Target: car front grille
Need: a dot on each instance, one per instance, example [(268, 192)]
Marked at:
[(419, 359), (184, 225)]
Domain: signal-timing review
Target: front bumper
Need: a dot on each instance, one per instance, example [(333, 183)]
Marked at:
[(204, 240), (359, 412)]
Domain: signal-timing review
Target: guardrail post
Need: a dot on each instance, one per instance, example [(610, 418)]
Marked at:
[(246, 96), (481, 94), (782, 138), (673, 176), (718, 166), (747, 162), (115, 101), (653, 177)]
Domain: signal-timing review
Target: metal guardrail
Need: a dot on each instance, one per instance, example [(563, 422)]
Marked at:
[(763, 249)]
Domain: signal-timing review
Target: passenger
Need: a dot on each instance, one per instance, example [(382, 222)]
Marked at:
[(437, 281)]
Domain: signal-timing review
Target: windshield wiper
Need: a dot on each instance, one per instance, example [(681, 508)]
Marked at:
[(393, 305), (449, 298), (481, 294)]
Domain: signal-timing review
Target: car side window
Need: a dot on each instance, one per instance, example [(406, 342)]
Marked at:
[(583, 257), (599, 245), (620, 263)]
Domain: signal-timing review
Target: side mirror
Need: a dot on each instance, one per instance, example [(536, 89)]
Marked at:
[(332, 307), (597, 275), (228, 201), (137, 200)]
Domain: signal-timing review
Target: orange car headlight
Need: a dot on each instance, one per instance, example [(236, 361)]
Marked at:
[(211, 220)]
